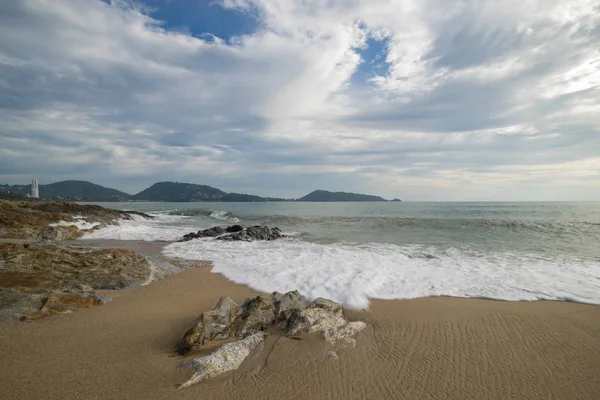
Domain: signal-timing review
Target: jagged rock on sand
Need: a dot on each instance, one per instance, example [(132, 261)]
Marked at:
[(237, 233), (211, 325), (327, 318), (255, 315), (286, 305), (227, 358), (290, 312)]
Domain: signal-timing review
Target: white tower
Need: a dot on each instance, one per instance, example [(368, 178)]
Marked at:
[(35, 191)]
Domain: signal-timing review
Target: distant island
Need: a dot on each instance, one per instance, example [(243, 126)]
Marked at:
[(165, 192), (324, 195)]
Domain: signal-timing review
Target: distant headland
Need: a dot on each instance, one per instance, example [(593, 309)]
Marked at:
[(166, 192)]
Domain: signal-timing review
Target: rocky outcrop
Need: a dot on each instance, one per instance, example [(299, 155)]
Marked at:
[(211, 325), (46, 279), (237, 233), (228, 357), (327, 318), (291, 313), (35, 220)]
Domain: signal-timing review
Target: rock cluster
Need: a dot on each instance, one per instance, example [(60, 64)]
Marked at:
[(38, 280), (291, 312), (237, 233)]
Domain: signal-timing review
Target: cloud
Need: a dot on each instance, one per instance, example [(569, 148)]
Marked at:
[(476, 100)]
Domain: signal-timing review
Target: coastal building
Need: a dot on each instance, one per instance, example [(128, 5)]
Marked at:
[(35, 191)]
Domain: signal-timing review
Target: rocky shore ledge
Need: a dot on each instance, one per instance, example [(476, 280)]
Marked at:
[(43, 279), (42, 275), (36, 220)]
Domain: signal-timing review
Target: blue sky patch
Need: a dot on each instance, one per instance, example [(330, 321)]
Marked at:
[(373, 60), (201, 17)]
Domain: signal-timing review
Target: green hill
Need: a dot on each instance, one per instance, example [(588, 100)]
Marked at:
[(324, 195), (179, 192), (73, 191)]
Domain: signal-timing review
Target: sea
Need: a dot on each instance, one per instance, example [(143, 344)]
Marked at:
[(353, 252)]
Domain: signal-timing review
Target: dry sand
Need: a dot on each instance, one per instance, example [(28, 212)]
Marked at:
[(433, 348)]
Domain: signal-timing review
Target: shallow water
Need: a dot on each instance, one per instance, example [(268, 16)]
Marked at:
[(352, 251)]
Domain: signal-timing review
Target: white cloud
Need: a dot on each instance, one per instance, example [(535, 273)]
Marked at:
[(106, 93)]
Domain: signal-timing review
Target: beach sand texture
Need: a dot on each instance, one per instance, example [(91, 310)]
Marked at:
[(431, 348)]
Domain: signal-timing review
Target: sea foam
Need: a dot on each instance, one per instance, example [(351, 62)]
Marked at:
[(162, 227), (83, 225), (353, 273)]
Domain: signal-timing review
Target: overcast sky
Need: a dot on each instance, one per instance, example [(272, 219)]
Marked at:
[(416, 99)]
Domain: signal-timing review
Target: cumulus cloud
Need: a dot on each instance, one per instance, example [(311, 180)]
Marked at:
[(479, 100)]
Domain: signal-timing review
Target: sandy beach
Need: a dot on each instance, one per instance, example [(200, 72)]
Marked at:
[(430, 348)]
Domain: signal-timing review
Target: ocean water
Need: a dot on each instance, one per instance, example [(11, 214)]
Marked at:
[(350, 252)]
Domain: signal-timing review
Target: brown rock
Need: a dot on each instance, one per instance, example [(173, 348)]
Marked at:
[(40, 270), (31, 219), (211, 325), (256, 315)]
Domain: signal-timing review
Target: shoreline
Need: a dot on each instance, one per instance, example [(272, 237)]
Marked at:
[(436, 347)]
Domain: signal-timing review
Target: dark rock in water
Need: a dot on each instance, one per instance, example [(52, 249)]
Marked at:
[(426, 256), (254, 233), (237, 233), (210, 232), (234, 228)]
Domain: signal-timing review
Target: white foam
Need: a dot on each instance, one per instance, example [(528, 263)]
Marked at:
[(162, 227), (82, 225), (223, 216), (351, 274)]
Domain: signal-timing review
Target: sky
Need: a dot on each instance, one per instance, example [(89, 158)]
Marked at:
[(424, 100)]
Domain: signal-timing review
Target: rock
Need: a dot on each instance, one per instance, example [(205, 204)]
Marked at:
[(327, 318), (60, 233), (345, 332), (237, 233), (210, 232), (31, 219), (227, 358), (39, 270), (15, 305), (321, 314), (64, 303), (286, 305), (254, 233), (256, 315), (234, 228), (211, 325), (290, 312)]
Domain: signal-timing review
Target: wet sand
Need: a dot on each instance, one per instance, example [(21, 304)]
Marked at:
[(432, 348)]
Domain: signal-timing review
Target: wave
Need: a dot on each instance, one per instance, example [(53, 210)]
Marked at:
[(453, 224), (206, 212), (163, 227), (352, 273)]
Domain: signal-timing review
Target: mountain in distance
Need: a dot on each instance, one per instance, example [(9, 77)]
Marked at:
[(179, 192), (72, 191), (164, 192), (190, 192), (324, 196)]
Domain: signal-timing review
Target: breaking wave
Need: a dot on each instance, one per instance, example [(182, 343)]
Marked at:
[(352, 273)]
